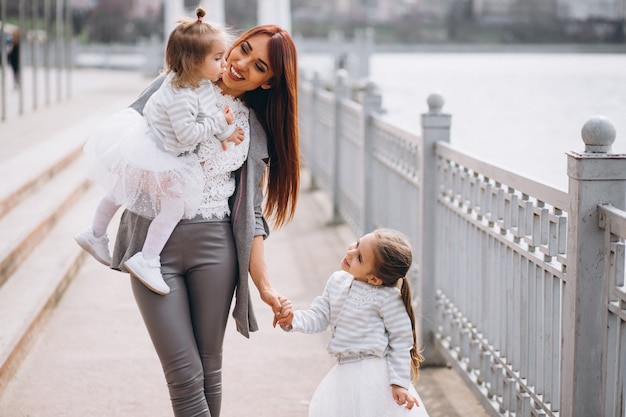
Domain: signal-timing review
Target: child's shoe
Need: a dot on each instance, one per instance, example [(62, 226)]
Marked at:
[(98, 247), (148, 271)]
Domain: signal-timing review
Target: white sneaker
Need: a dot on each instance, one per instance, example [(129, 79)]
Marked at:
[(98, 247), (148, 271)]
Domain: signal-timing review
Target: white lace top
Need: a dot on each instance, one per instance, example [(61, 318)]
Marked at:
[(219, 164)]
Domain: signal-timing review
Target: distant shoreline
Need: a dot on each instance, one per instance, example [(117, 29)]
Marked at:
[(326, 46)]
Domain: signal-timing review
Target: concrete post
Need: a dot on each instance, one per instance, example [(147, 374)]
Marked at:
[(275, 12), (69, 58), (22, 40), (58, 47), (174, 10), (3, 63), (595, 176), (312, 149), (342, 92), (33, 52), (435, 128), (215, 11), (372, 104), (47, 14), (363, 49)]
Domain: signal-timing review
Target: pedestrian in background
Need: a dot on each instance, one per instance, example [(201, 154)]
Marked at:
[(13, 56)]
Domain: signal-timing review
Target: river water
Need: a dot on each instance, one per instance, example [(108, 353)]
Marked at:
[(521, 111)]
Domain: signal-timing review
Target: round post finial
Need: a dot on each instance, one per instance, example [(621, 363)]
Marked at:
[(371, 88), (435, 103), (372, 99), (341, 74), (598, 133)]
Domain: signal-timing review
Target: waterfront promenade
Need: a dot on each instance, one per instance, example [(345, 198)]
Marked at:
[(93, 356)]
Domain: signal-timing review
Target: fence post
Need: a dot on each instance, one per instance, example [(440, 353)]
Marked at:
[(372, 103), (364, 47), (435, 128), (4, 64), (595, 176), (341, 93), (311, 148)]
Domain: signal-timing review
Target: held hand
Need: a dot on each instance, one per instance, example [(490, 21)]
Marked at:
[(272, 299), (229, 115), (236, 138), (285, 316), (402, 397)]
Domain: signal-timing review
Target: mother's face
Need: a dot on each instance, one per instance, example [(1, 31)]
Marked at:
[(248, 66)]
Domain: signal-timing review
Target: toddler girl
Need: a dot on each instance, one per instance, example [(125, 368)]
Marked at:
[(147, 163)]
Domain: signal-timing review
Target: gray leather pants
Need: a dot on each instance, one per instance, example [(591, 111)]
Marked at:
[(187, 325)]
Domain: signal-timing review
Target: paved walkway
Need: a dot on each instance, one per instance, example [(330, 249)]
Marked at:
[(94, 357)]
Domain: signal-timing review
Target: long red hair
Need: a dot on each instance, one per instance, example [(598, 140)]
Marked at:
[(277, 110)]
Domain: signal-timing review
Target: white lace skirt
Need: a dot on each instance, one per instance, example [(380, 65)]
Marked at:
[(360, 389), (122, 156)]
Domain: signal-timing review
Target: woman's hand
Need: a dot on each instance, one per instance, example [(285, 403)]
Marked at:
[(402, 397), (259, 274), (285, 316), (271, 298)]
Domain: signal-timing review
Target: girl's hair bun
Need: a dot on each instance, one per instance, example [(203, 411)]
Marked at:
[(200, 13)]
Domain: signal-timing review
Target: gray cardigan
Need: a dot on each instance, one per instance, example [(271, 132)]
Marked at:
[(246, 217)]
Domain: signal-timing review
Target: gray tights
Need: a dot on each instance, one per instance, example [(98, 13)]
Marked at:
[(187, 326)]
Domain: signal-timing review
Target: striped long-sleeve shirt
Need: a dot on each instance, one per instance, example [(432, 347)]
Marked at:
[(181, 118), (365, 320)]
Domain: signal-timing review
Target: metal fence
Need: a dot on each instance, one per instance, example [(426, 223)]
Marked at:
[(518, 285)]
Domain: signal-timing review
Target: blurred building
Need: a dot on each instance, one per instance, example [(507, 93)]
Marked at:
[(138, 8), (388, 10), (593, 9)]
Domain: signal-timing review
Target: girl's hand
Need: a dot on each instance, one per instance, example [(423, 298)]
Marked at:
[(285, 316), (236, 138), (402, 397), (229, 115)]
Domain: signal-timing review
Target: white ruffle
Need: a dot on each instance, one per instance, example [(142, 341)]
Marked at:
[(123, 157), (360, 389)]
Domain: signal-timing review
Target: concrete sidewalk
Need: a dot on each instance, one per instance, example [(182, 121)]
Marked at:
[(94, 357)]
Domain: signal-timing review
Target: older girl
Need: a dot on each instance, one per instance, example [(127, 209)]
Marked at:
[(368, 307)]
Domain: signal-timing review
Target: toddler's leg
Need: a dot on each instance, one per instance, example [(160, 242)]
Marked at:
[(146, 265), (94, 240), (104, 213), (160, 230)]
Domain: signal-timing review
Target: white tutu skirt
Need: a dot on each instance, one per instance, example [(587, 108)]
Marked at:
[(360, 389), (123, 157)]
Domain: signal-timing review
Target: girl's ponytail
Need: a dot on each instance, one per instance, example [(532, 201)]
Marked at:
[(394, 257), (416, 356)]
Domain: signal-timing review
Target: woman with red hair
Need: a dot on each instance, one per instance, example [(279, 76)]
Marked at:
[(206, 260)]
